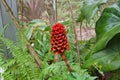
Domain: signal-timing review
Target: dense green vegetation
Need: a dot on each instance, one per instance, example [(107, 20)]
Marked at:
[(100, 56)]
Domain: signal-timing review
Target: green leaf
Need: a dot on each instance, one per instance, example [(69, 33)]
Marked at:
[(107, 26), (3, 30), (89, 9), (38, 23), (47, 28), (59, 71), (107, 48), (29, 32), (108, 58)]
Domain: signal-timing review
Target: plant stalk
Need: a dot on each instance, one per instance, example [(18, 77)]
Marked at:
[(66, 62), (55, 10), (74, 24), (57, 56), (81, 30)]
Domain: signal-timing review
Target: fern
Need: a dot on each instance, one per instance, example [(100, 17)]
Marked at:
[(1, 53), (21, 66), (58, 71)]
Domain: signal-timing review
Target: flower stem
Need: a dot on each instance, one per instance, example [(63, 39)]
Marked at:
[(66, 62)]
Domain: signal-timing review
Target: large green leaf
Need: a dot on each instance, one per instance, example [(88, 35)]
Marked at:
[(107, 48), (108, 58), (89, 9), (107, 26)]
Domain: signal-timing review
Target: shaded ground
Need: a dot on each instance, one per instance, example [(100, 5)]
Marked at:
[(86, 33)]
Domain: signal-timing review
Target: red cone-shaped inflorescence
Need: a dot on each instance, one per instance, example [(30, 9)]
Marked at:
[(59, 39)]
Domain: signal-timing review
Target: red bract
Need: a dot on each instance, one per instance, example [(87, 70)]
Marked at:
[(59, 39)]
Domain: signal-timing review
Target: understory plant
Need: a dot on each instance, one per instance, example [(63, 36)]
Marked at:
[(106, 49), (22, 66), (101, 55), (105, 52)]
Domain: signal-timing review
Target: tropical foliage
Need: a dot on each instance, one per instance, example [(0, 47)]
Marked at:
[(106, 50), (100, 56)]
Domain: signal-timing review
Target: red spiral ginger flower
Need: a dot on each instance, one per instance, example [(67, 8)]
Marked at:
[(59, 42), (59, 39)]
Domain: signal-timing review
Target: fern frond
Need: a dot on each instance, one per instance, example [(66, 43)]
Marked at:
[(22, 64), (1, 53)]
